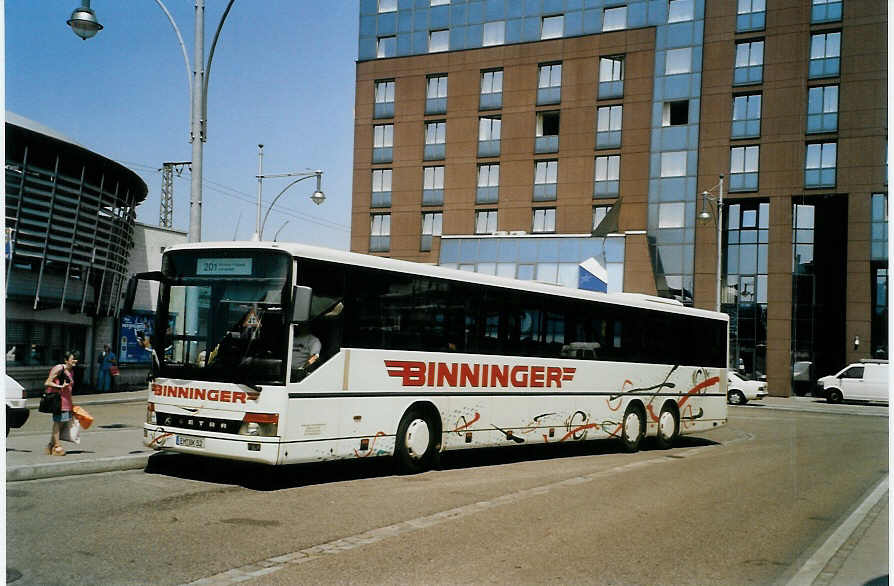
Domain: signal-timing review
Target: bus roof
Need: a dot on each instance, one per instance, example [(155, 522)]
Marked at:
[(403, 266)]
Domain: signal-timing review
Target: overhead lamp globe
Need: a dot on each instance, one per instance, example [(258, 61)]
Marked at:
[(318, 197), (83, 22), (704, 215)]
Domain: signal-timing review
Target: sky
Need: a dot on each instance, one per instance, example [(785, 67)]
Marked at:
[(282, 75)]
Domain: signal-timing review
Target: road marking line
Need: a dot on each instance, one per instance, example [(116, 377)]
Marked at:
[(276, 563), (812, 567)]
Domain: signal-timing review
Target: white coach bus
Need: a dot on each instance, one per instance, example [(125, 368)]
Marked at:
[(413, 360)]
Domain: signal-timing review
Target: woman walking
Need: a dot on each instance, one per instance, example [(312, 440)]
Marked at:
[(60, 380)]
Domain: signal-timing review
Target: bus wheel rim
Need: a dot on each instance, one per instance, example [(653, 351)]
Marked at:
[(666, 425), (417, 438), (631, 426)]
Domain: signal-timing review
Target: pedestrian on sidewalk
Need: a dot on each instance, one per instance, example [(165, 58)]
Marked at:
[(106, 360), (61, 380)]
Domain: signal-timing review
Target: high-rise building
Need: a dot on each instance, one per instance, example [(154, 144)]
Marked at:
[(527, 137)]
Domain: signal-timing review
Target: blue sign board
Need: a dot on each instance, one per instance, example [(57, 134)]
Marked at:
[(133, 327)]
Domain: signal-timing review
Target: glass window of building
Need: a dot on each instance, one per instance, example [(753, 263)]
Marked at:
[(387, 6), (544, 220), (549, 84), (545, 180), (879, 226), (749, 62), (678, 61), (673, 164), (485, 221), (746, 116), (743, 168), (822, 109), (488, 183), (381, 188), (614, 19), (433, 186), (819, 168), (489, 128), (675, 113), (671, 214), (383, 143), (744, 294), (438, 41), (386, 47), (439, 2), (599, 213), (552, 27), (435, 140), (494, 33), (611, 77), (436, 94), (384, 99), (491, 90), (607, 176), (879, 282), (825, 11), (546, 139), (825, 55), (751, 15), (380, 233), (680, 10), (608, 127), (431, 227)]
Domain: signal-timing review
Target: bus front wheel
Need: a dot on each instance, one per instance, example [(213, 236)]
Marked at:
[(416, 435), (634, 428)]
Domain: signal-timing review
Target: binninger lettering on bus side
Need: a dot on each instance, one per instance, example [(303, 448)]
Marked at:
[(415, 373)]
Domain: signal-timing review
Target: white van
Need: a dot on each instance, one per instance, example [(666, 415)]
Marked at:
[(866, 380)]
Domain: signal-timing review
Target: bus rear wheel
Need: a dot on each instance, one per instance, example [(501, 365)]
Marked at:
[(668, 428), (415, 442), (634, 427)]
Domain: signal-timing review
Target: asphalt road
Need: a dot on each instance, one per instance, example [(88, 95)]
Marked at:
[(744, 504)]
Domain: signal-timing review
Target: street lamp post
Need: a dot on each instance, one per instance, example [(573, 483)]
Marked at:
[(317, 197), (84, 24), (705, 214)]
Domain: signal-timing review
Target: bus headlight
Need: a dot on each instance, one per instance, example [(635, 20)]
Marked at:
[(259, 424)]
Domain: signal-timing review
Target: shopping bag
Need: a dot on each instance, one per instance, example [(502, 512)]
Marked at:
[(71, 431), (84, 418), (113, 370)]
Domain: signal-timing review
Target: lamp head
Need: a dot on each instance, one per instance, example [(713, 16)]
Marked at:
[(704, 214), (318, 197), (83, 22)]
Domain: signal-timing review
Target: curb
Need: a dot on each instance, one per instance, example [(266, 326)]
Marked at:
[(77, 467), (35, 403)]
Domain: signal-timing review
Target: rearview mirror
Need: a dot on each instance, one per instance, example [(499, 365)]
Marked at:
[(131, 292), (301, 297)]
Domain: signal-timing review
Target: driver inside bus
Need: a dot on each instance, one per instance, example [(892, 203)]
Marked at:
[(305, 351)]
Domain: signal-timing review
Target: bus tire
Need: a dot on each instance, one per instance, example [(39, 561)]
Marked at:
[(633, 427), (415, 445), (668, 427), (834, 396)]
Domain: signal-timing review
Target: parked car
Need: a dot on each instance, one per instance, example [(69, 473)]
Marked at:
[(740, 390), (16, 411), (866, 380)]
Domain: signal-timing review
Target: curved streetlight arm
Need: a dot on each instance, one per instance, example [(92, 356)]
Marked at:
[(204, 131), (182, 46), (307, 176)]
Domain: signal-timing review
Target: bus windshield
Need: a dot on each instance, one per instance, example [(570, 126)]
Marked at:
[(229, 309)]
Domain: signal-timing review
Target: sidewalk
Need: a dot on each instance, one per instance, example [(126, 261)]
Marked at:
[(857, 552), (113, 442)]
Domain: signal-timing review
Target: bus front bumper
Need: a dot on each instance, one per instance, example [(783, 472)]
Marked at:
[(263, 450)]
